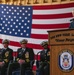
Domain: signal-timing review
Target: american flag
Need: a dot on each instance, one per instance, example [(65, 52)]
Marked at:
[(32, 23)]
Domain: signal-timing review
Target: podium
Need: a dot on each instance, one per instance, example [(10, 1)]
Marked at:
[(61, 52)]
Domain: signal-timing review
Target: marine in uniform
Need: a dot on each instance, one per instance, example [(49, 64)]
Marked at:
[(44, 63), (25, 58), (6, 55), (72, 21)]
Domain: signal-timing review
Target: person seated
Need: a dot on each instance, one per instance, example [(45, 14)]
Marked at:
[(24, 60), (72, 21), (43, 65), (6, 55)]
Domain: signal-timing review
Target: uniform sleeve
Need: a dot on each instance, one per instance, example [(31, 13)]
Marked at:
[(41, 57), (17, 59), (32, 57), (32, 54)]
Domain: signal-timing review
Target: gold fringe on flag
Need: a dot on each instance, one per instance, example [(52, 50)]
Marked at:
[(35, 2)]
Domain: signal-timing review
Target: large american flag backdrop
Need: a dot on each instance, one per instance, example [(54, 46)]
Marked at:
[(32, 23)]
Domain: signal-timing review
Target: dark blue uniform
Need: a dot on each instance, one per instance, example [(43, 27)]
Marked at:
[(43, 65), (1, 55), (5, 56), (27, 55), (72, 23)]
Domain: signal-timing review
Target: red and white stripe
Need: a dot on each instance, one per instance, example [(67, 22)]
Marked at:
[(45, 18)]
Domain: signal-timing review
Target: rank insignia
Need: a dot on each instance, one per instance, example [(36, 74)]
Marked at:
[(27, 55), (7, 54)]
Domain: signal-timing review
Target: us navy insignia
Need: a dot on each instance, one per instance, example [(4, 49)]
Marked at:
[(66, 60)]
